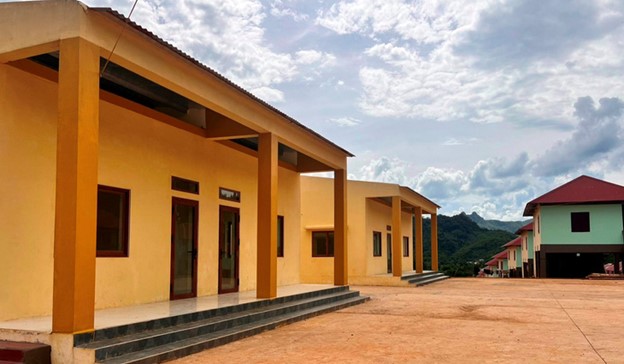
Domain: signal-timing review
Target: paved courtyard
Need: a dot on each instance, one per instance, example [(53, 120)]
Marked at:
[(456, 321)]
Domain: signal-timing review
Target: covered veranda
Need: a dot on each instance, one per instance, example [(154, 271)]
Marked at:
[(68, 44)]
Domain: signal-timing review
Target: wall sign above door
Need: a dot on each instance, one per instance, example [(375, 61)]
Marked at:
[(230, 195)]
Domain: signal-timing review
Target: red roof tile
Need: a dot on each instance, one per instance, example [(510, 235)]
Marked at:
[(527, 227), (581, 190), (492, 263), (516, 242), (501, 255)]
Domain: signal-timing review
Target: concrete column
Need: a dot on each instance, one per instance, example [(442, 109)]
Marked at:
[(419, 239), (341, 272), (397, 238), (266, 278), (434, 242), (73, 300)]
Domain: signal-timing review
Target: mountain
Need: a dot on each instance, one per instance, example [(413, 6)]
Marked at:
[(461, 241), (511, 226)]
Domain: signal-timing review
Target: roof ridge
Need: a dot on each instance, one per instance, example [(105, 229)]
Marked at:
[(581, 190)]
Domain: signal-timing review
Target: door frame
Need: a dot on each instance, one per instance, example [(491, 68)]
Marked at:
[(389, 252), (195, 204), (236, 252)]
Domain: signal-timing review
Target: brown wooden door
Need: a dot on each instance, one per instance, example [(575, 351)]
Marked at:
[(184, 219), (389, 251), (229, 244)]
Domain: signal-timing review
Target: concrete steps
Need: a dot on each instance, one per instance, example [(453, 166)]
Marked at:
[(174, 337), (421, 279)]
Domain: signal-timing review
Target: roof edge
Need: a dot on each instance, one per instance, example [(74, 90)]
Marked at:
[(120, 17)]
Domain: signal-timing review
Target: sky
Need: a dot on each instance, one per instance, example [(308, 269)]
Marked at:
[(479, 105)]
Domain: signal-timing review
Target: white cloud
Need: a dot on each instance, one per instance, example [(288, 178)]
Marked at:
[(280, 10), (385, 170), (489, 62), (598, 134), (268, 94), (345, 121), (451, 142), (500, 187), (424, 21), (312, 57), (228, 37)]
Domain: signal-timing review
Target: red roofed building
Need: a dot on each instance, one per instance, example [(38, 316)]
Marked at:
[(528, 251), (577, 226), (491, 267), (514, 257), (502, 262)]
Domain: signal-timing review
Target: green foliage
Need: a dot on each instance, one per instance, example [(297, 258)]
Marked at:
[(461, 242), (457, 269)]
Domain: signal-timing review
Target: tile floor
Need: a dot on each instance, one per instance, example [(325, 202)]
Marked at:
[(131, 314)]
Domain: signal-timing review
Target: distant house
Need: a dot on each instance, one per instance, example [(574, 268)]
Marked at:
[(514, 257), (503, 263), (492, 265), (384, 225), (528, 252), (576, 226)]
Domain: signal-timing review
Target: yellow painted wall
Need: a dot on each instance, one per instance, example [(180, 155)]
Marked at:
[(139, 154), (525, 246), (145, 166), (28, 158), (317, 213), (510, 257), (537, 230), (364, 217)]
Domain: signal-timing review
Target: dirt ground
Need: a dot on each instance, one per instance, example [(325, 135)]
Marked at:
[(455, 321)]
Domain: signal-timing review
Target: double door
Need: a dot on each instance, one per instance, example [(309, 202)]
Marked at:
[(184, 221)]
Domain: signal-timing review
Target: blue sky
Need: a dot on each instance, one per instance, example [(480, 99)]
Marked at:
[(480, 106)]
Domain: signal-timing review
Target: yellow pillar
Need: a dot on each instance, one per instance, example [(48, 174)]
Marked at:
[(397, 238), (73, 301), (434, 242), (419, 239), (341, 272), (266, 286)]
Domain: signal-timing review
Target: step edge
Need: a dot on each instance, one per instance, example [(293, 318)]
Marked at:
[(253, 330)]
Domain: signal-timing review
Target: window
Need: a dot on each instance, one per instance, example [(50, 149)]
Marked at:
[(112, 222), (376, 243), (579, 222), (322, 243), (280, 236), (538, 224), (184, 185), (406, 246)]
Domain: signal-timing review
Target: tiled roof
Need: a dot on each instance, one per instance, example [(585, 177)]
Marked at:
[(501, 255), (492, 263), (527, 227), (121, 17), (516, 242), (581, 190)]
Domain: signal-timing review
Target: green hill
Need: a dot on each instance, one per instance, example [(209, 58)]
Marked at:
[(511, 226), (461, 242)]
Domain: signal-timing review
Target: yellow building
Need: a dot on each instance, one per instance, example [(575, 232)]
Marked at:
[(141, 175), (380, 231)]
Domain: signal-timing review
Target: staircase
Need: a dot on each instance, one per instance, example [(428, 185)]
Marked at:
[(174, 337), (421, 279)]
